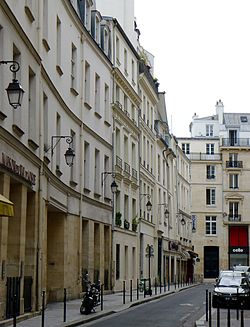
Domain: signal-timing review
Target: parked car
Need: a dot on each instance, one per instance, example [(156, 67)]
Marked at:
[(245, 269), (231, 292), (231, 273)]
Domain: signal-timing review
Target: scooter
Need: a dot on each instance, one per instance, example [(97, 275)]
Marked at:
[(91, 298)]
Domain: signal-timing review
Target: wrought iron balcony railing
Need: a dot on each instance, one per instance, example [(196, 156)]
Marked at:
[(234, 164), (234, 217), (127, 168), (118, 161), (236, 142), (204, 156)]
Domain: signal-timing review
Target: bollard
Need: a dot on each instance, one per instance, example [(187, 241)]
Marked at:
[(160, 284), (206, 305), (131, 291), (168, 284), (218, 317), (124, 291), (237, 310), (155, 287), (14, 310), (241, 318), (164, 284), (101, 297), (137, 289), (64, 305), (43, 307), (210, 310), (150, 289), (228, 317)]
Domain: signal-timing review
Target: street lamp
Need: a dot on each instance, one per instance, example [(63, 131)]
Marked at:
[(69, 154), (148, 204), (149, 254), (14, 90)]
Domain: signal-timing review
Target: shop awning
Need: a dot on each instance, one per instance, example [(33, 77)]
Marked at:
[(6, 207)]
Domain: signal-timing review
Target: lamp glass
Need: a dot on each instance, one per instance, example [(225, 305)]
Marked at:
[(15, 93), (69, 157), (149, 205), (114, 187)]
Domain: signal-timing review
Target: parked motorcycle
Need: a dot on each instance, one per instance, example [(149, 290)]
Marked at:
[(91, 297)]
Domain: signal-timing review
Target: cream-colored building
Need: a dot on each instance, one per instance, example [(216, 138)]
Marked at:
[(84, 92), (219, 150)]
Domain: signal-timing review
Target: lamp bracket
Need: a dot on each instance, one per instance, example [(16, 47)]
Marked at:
[(14, 67), (69, 140)]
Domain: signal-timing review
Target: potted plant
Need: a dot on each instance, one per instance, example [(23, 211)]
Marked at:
[(126, 224), (134, 224), (118, 219)]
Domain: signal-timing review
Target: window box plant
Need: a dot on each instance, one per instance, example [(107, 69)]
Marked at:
[(118, 219), (134, 224)]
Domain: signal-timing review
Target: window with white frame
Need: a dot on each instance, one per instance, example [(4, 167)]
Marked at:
[(211, 225), (210, 196), (87, 83), (209, 130), (97, 94), (133, 70), (106, 104), (233, 210), (73, 66), (185, 148), (117, 48), (210, 148), (125, 61), (233, 181), (210, 172)]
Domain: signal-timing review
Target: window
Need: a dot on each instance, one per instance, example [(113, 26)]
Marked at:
[(210, 172), (58, 45), (86, 166), (209, 130), (117, 45), (97, 94), (185, 148), (106, 104), (133, 70), (243, 119), (32, 106), (209, 148), (73, 167), (125, 61), (87, 82), (233, 181), (73, 66), (45, 122), (233, 210), (97, 172), (210, 196), (117, 261), (210, 225)]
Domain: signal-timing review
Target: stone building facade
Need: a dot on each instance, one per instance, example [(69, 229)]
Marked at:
[(84, 91)]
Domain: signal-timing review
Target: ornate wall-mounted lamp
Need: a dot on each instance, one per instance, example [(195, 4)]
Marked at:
[(14, 90), (69, 154)]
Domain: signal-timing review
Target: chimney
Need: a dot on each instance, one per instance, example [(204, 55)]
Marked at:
[(220, 110)]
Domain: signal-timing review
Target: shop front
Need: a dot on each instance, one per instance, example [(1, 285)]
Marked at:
[(238, 246)]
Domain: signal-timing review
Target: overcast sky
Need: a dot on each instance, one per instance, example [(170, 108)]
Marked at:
[(202, 54)]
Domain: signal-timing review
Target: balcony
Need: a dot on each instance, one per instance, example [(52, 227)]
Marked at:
[(234, 217), (204, 156), (234, 164), (119, 162), (236, 142), (127, 168), (134, 173)]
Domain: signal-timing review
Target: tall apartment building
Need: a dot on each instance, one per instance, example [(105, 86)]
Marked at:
[(87, 91), (218, 149)]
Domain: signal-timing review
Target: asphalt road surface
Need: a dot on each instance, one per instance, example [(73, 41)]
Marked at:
[(181, 309)]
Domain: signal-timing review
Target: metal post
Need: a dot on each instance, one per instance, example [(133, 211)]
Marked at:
[(164, 284), (43, 307), (150, 289), (14, 310), (237, 310), (210, 311), (124, 290), (228, 318), (131, 291), (241, 318), (101, 297), (155, 287), (218, 317), (206, 305), (64, 305), (144, 287), (137, 289)]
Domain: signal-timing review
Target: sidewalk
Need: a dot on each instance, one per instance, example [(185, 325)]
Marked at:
[(111, 303), (224, 320)]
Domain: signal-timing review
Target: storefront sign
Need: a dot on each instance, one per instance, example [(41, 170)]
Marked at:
[(17, 169), (238, 249)]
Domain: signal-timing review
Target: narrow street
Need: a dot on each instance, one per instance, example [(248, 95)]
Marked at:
[(176, 310)]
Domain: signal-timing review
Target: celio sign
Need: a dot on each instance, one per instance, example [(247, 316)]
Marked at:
[(238, 249), (20, 170)]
